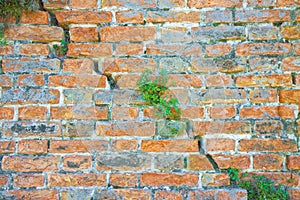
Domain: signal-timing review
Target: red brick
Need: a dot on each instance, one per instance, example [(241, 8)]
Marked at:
[(94, 81), (287, 3), (34, 49), (218, 16), (123, 180), (199, 162), (3, 180), (112, 65), (215, 180), (76, 180), (5, 81), (125, 113), (36, 17), (167, 195), (33, 147), (174, 49), (192, 112), (262, 16), (79, 112), (263, 96), (267, 145), (34, 33), (294, 193), (263, 49), (84, 34), (77, 146), (267, 162), (30, 164), (129, 4), (6, 113), (78, 66), (173, 16), (89, 50), (220, 144), (28, 180), (268, 128), (130, 16), (222, 112), (289, 96), (32, 112), (169, 146), (126, 129), (218, 49), (232, 161), (35, 194), (169, 179), (218, 80), (7, 49), (76, 163), (124, 145), (82, 4), (296, 47), (65, 17), (273, 80), (7, 147), (215, 3), (293, 162), (264, 112), (129, 49), (127, 33)]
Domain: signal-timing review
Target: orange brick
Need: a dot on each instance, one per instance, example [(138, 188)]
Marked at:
[(79, 112), (78, 66), (7, 49), (6, 113), (76, 163), (30, 164), (263, 49), (65, 17), (267, 145), (232, 161), (55, 4), (268, 127), (169, 146), (289, 96), (36, 194), (124, 145), (28, 180), (82, 4), (294, 193), (36, 17), (84, 34), (169, 179), (76, 180), (273, 80), (174, 49), (123, 180), (33, 147), (136, 4), (264, 112), (297, 79), (34, 33), (124, 113), (127, 33), (263, 64), (192, 112), (130, 16), (263, 96), (166, 195), (94, 81), (34, 49), (89, 50), (287, 3), (215, 3), (3, 180), (199, 162), (293, 162), (218, 49), (129, 49), (262, 16), (172, 16), (220, 144), (222, 112), (267, 162), (215, 180), (5, 81), (126, 129), (77, 146), (291, 64), (218, 80), (7, 146), (32, 112), (290, 32)]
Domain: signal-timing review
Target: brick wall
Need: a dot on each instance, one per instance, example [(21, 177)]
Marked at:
[(75, 126)]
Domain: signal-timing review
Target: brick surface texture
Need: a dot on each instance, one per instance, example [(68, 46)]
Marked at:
[(74, 126)]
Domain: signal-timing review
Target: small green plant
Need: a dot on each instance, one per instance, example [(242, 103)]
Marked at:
[(153, 93), (61, 49), (233, 175), (13, 8), (215, 24)]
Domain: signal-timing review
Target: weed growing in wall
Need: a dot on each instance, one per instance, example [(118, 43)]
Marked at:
[(13, 8)]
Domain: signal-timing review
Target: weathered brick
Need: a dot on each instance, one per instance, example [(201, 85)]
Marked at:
[(28, 180), (123, 162), (77, 96), (123, 194), (199, 162), (30, 65), (32, 112), (31, 129), (76, 180), (263, 96), (174, 195), (215, 180), (65, 17), (125, 113), (89, 50), (127, 33), (55, 4), (222, 112), (129, 49), (198, 194), (3, 180), (287, 3), (82, 4), (84, 34), (134, 4), (174, 34), (76, 163), (293, 162), (6, 81), (124, 145), (6, 113), (79, 112), (294, 193), (191, 49), (123, 180), (168, 162), (34, 194), (169, 179), (169, 146), (7, 146), (78, 66), (291, 64), (265, 32), (174, 65), (164, 4), (94, 81), (289, 96), (263, 64), (268, 127), (232, 161), (218, 16), (258, 3), (220, 144), (218, 33), (192, 112), (216, 127), (121, 97), (111, 65), (297, 79), (290, 32), (30, 164), (130, 16), (263, 49), (267, 145), (173, 16), (209, 65), (231, 194), (262, 16), (37, 17), (264, 112), (214, 3), (34, 49), (33, 147), (34, 33), (267, 162), (273, 80), (218, 80), (218, 49), (77, 129), (7, 49), (77, 146)]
